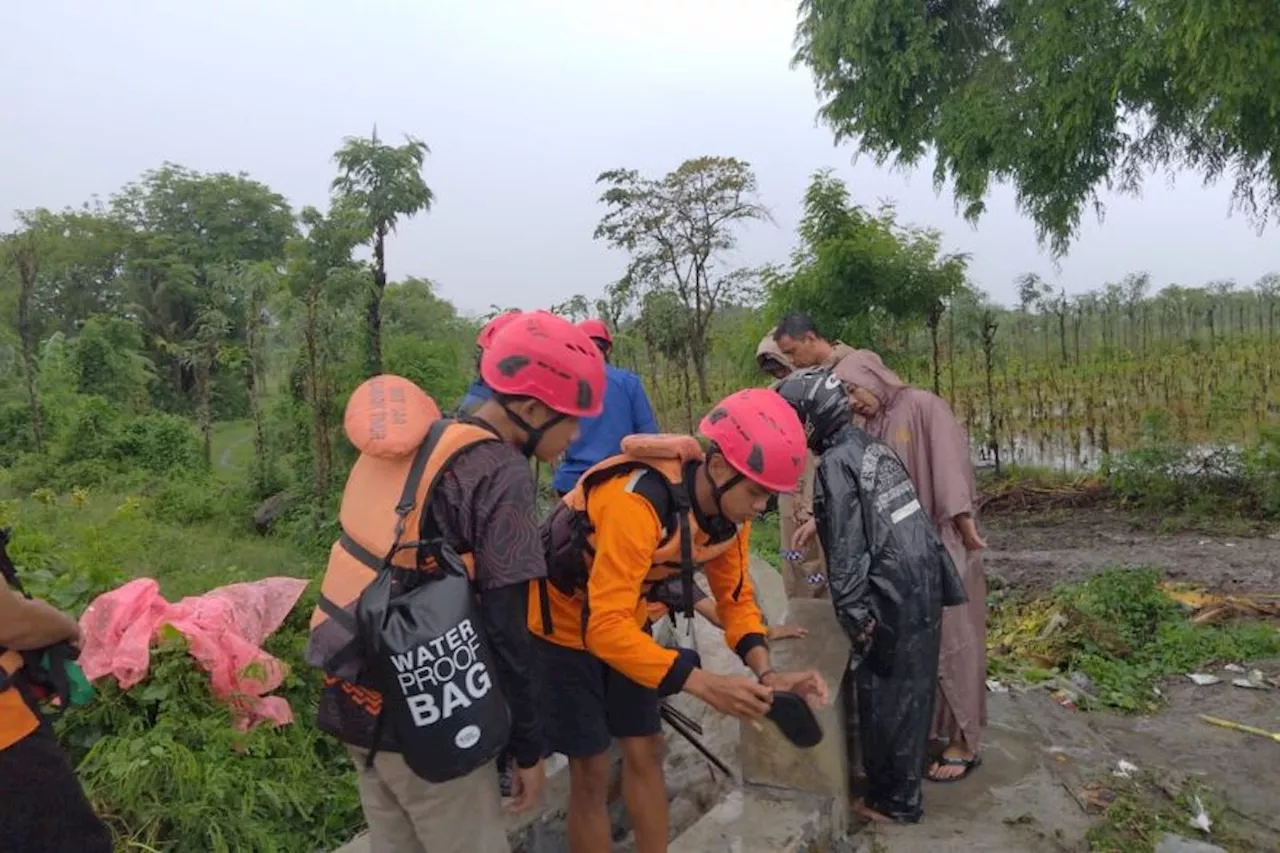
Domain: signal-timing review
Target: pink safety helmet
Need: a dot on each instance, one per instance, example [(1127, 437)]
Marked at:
[(760, 435), (491, 328), (596, 330), (540, 355)]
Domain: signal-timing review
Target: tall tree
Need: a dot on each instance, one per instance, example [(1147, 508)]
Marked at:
[(320, 279), (677, 229), (385, 183), (858, 273), (24, 249), (254, 286), (185, 228), (1059, 99)]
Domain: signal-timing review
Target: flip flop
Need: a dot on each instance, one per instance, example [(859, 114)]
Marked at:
[(795, 719), (969, 765)]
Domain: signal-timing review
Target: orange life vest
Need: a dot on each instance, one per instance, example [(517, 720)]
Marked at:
[(570, 539), (17, 719), (388, 419)]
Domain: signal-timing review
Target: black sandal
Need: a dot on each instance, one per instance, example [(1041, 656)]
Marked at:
[(793, 716), (969, 765)]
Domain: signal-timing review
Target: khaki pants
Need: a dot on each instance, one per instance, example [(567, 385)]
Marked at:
[(791, 509), (408, 814)]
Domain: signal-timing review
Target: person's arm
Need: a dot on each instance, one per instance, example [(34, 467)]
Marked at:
[(642, 418), (627, 532), (838, 507), (730, 579), (951, 472), (802, 502), (707, 609), (509, 551), (28, 623)]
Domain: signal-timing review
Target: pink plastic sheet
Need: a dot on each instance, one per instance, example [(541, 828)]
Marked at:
[(224, 628)]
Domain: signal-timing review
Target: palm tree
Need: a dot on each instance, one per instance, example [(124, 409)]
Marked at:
[(383, 182)]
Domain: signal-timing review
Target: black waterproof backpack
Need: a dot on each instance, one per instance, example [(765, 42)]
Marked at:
[(425, 650)]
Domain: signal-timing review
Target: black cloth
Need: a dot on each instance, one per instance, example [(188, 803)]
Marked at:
[(586, 703), (886, 565), (505, 615), (43, 809)]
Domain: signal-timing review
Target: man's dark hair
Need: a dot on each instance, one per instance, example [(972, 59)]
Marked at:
[(795, 326)]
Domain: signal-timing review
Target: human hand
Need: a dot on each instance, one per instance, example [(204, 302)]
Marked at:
[(733, 695), (787, 632), (526, 787), (808, 684), (804, 535), (968, 530)]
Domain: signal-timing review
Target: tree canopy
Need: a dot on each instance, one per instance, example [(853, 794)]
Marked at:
[(1061, 100)]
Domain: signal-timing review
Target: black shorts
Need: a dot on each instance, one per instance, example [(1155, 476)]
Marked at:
[(586, 704)]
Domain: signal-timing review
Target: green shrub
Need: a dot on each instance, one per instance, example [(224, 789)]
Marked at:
[(168, 771)]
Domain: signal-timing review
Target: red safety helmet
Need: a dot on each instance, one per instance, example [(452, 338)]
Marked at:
[(542, 356), (596, 330), (491, 328), (759, 434)]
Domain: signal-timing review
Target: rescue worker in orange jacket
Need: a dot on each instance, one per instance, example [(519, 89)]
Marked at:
[(603, 674), (42, 806), (544, 375)]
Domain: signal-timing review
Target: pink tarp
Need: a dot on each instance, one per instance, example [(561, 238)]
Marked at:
[(225, 629)]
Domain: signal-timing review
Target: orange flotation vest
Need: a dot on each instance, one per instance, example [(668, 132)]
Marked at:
[(569, 537), (17, 718), (387, 419)]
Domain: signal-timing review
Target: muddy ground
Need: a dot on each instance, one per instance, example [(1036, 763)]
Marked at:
[(1042, 761), (1034, 551)]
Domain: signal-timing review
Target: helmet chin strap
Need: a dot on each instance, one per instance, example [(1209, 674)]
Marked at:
[(718, 491), (533, 435)]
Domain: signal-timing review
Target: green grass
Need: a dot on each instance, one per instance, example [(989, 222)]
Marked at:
[(1143, 809), (232, 449), (766, 539), (1119, 629), (95, 534)]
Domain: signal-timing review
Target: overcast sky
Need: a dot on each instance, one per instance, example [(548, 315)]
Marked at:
[(523, 103)]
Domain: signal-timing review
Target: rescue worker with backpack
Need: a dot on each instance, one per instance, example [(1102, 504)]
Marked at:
[(421, 625), (43, 809), (662, 508)]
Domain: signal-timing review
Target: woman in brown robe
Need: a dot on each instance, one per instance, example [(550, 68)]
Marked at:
[(935, 450)]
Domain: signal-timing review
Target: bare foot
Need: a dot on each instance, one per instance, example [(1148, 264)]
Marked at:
[(957, 762), (869, 814)]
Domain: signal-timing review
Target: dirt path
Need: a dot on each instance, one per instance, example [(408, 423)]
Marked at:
[(1030, 793), (1035, 551)]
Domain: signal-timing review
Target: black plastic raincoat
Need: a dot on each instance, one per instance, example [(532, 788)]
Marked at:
[(886, 566)]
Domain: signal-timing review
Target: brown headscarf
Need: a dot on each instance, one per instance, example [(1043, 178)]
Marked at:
[(864, 369), (768, 351)]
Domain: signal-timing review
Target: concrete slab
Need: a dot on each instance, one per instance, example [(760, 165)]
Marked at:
[(1019, 800), (757, 820), (767, 757), (771, 594)]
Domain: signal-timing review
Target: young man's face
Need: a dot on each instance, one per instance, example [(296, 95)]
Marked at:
[(745, 500), (555, 440), (803, 351)]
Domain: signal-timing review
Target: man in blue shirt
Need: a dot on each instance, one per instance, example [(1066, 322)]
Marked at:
[(626, 412), (478, 392)]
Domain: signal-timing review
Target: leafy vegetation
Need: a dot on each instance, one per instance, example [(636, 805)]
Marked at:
[(1119, 630), (1057, 99)]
